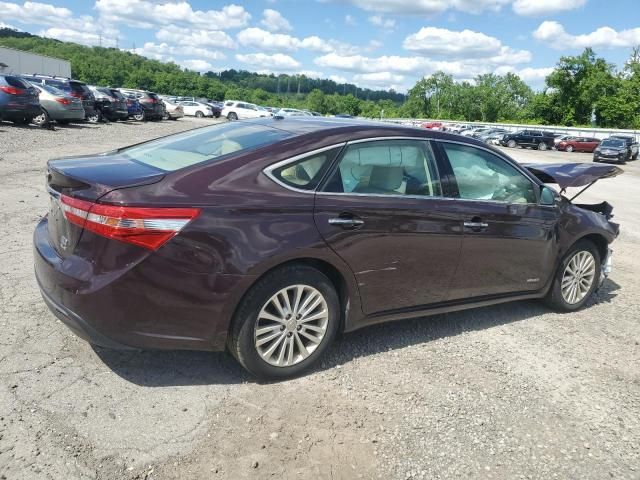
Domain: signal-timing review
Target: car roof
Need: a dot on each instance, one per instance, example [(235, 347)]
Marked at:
[(354, 127)]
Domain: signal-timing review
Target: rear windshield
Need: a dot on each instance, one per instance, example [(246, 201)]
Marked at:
[(16, 82), (612, 143), (79, 87), (53, 90), (116, 94), (153, 95), (197, 146), (64, 86)]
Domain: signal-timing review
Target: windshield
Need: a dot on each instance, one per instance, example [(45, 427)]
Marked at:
[(197, 146), (612, 143)]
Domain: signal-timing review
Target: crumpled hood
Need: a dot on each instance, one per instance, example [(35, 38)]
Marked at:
[(572, 174)]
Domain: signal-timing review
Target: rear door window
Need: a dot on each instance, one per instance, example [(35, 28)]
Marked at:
[(387, 167), (203, 144)]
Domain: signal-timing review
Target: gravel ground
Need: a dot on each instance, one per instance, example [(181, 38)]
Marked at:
[(511, 391)]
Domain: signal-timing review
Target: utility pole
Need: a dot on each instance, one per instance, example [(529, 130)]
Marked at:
[(278, 89), (100, 40), (288, 85), (134, 47), (298, 85)]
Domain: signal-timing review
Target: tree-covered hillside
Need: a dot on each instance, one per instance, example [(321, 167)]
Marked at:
[(579, 87)]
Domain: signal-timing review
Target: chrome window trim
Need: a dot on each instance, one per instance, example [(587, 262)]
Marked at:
[(268, 171)]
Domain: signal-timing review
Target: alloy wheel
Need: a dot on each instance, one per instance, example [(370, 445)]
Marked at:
[(291, 325), (578, 277)]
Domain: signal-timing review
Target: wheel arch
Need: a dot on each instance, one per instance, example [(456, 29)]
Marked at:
[(347, 295), (599, 241)]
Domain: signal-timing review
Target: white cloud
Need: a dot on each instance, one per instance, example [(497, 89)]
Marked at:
[(428, 7), (6, 25), (281, 42), (545, 7), (440, 41), (359, 63), (77, 36), (379, 21), (35, 13), (264, 40), (195, 37), (274, 21), (276, 61), (554, 34), (149, 13), (378, 78), (338, 79), (164, 51), (349, 20), (197, 65), (528, 74)]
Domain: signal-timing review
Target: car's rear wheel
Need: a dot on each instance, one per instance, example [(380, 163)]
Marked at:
[(542, 146), (511, 144), (232, 116), (569, 148), (139, 117), (577, 278), (95, 117), (285, 322), (199, 114), (41, 119)]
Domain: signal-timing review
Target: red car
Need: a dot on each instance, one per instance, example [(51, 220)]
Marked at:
[(433, 126), (578, 144)]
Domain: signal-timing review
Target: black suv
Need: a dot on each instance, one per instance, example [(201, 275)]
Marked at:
[(528, 138), (75, 88), (150, 102), (631, 143), (111, 103)]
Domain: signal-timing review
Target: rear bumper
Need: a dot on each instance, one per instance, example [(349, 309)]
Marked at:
[(67, 114), (149, 305), (17, 111)]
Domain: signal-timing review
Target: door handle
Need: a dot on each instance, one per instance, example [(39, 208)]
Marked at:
[(476, 224), (346, 222)]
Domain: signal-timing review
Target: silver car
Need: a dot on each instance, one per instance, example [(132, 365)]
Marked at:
[(172, 111), (57, 105)]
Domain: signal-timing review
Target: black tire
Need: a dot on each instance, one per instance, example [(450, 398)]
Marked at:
[(635, 157), (512, 144), (232, 116), (140, 117), (95, 117), (241, 342), (166, 116), (42, 119), (217, 114), (542, 146), (569, 148), (199, 114), (554, 298)]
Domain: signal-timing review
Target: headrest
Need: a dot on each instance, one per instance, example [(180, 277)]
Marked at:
[(386, 178)]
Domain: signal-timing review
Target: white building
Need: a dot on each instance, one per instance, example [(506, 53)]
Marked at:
[(18, 61)]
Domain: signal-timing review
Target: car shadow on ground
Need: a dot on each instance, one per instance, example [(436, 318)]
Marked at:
[(159, 368)]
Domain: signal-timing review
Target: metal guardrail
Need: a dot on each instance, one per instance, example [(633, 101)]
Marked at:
[(594, 132)]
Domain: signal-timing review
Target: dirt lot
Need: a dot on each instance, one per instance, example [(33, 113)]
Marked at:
[(512, 391)]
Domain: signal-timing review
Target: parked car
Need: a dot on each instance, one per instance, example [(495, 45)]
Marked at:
[(433, 125), (18, 100), (578, 144), (235, 110), (612, 150), (292, 112), (481, 131), (458, 127), (172, 111), (197, 109), (57, 105), (632, 145), (559, 137), (134, 109), (149, 101), (75, 88), (471, 130), (110, 102), (528, 138), (268, 237), (493, 136), (216, 107)]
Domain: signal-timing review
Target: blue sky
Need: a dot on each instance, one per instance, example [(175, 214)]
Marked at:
[(372, 43)]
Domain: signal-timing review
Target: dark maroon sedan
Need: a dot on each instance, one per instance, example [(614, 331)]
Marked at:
[(268, 237)]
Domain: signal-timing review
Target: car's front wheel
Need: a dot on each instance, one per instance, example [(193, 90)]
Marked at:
[(542, 146), (577, 278), (569, 148), (232, 116), (199, 114), (511, 144), (285, 322)]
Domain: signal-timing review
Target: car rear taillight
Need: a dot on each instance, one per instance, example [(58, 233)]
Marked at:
[(12, 90), (148, 227), (63, 101)]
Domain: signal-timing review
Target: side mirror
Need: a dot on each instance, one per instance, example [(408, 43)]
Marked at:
[(548, 196)]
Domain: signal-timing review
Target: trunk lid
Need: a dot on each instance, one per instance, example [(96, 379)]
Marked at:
[(88, 178)]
